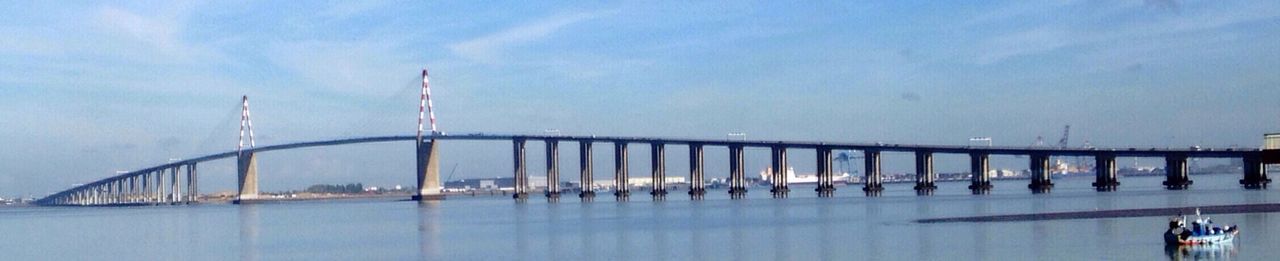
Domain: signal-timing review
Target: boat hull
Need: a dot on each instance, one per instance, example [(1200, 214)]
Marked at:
[(1224, 238)]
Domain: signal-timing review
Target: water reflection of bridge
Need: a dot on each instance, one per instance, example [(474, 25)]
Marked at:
[(176, 182)]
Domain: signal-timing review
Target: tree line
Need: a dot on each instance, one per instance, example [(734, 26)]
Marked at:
[(336, 188)]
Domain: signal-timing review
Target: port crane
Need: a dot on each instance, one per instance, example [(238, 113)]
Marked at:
[(844, 157), (1062, 143), (1066, 134)]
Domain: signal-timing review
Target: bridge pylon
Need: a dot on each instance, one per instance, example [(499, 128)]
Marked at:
[(246, 161), (427, 157)]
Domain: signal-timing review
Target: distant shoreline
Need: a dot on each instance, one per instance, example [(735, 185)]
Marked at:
[(1119, 213)]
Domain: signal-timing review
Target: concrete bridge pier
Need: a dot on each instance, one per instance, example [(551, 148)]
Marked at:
[(826, 179), (1175, 171), (697, 183), (126, 191), (521, 177), (175, 193), (1041, 181), (147, 194), (108, 193), (140, 193), (873, 184), (193, 185), (122, 190), (1105, 170), (1255, 172), (113, 193), (925, 177), (658, 170), (737, 178), (778, 172), (104, 194), (620, 189), (980, 181), (121, 194), (143, 194), (130, 189), (553, 169), (428, 171), (158, 187), (247, 177), (585, 180)]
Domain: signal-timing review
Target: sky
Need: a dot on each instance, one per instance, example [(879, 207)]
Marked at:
[(91, 88)]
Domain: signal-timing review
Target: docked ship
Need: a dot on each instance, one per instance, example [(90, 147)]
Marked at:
[(803, 179)]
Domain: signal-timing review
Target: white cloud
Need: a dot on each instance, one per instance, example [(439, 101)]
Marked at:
[(1016, 10), (29, 41), (110, 32), (488, 48), (346, 9), (364, 68), (1032, 41), (158, 32), (1080, 30), (153, 39)]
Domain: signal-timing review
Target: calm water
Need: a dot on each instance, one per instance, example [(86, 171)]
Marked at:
[(849, 226)]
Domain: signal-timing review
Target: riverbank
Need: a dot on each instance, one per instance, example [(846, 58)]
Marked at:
[(1119, 213)]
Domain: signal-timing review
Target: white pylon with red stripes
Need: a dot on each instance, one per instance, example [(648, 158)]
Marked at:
[(424, 107), (245, 124)]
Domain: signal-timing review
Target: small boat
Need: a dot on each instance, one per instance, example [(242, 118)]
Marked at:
[(1201, 231)]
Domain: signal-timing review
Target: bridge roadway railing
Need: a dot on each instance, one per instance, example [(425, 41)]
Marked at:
[(118, 183)]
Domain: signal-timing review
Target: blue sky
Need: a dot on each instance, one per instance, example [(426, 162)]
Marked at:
[(89, 88)]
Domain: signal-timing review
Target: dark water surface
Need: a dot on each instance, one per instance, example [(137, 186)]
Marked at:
[(802, 227)]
